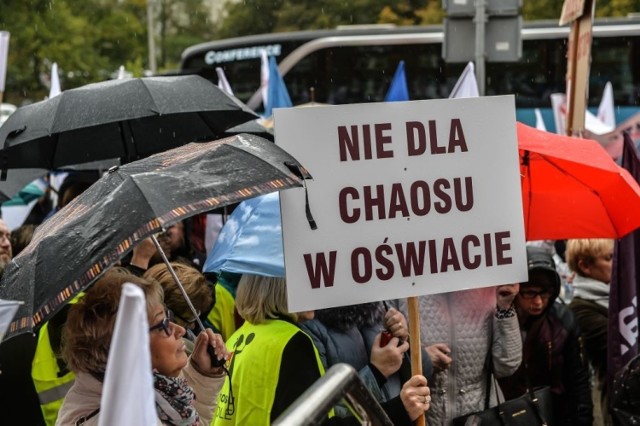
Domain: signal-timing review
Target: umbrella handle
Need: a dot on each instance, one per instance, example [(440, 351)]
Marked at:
[(214, 358), (177, 280)]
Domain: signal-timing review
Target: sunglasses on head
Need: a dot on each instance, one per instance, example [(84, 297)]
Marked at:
[(186, 321), (165, 324)]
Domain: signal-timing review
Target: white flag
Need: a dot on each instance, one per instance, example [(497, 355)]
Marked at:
[(606, 111), (4, 57), (559, 108), (466, 86), (128, 397), (591, 122), (54, 90), (8, 310), (222, 81), (595, 126), (539, 120), (264, 77)]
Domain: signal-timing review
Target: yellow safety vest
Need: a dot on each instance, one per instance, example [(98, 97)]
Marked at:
[(221, 316), (44, 372), (254, 366)]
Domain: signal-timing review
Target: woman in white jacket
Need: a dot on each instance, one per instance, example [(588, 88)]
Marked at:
[(177, 377), (459, 330)]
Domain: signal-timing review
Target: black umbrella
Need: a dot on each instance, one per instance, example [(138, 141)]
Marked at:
[(17, 180), (127, 119), (75, 246)]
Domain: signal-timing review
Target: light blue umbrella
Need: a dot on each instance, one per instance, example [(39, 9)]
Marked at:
[(251, 240)]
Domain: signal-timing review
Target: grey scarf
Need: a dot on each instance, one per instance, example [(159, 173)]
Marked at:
[(593, 290)]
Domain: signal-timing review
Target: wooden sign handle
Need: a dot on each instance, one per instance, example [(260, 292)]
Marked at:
[(415, 348)]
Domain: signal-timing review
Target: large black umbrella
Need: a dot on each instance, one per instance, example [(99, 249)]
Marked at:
[(127, 119), (75, 246), (17, 180)]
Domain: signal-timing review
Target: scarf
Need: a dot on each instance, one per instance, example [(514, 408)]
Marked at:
[(173, 401), (593, 290)]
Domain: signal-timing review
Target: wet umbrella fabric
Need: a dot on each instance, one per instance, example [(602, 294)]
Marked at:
[(571, 188), (75, 246), (127, 119), (251, 240)]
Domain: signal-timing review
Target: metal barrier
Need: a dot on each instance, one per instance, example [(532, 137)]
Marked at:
[(340, 381)]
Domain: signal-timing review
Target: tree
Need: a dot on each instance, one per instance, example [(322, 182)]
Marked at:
[(249, 17), (88, 39)]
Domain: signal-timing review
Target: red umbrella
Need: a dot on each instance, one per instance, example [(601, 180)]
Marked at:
[(571, 188)]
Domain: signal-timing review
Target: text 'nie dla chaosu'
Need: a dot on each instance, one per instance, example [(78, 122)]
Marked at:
[(373, 141)]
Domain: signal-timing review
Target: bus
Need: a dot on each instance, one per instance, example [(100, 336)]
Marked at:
[(354, 64)]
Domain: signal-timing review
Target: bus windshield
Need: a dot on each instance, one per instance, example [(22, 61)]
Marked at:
[(356, 65)]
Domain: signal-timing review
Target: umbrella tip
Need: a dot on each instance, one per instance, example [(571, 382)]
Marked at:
[(113, 169)]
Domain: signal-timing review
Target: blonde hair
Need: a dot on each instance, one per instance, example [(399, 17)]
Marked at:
[(587, 250), (194, 283), (86, 336), (259, 298)]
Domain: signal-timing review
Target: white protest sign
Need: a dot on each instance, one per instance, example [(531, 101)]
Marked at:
[(410, 198)]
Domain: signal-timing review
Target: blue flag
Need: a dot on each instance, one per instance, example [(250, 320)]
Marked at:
[(625, 285), (277, 94), (398, 91)]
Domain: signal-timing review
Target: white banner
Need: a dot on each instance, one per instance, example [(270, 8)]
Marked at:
[(410, 198), (4, 57)]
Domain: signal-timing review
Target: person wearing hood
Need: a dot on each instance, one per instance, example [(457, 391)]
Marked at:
[(552, 345)]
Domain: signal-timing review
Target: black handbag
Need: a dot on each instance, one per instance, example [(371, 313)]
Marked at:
[(531, 409)]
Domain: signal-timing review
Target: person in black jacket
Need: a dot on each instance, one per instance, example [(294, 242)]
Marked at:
[(553, 353)]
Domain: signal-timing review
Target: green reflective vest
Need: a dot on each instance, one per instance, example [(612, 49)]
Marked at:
[(221, 315), (44, 372), (254, 366)]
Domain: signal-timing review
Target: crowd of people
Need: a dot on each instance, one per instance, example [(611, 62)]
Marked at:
[(478, 345)]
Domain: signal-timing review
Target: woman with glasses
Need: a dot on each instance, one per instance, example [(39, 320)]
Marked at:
[(552, 346), (186, 387), (196, 286)]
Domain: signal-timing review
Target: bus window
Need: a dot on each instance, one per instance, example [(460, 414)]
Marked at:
[(348, 66)]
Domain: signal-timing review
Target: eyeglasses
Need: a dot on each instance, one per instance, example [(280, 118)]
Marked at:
[(189, 322), (165, 324), (532, 294)]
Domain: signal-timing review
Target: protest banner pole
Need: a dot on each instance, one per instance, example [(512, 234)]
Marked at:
[(580, 14), (416, 346)]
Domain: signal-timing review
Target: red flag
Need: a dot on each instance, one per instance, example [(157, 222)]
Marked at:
[(625, 285)]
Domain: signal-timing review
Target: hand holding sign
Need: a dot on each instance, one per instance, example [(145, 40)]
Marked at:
[(505, 294), (416, 396)]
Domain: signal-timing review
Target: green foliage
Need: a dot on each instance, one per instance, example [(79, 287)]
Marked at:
[(610, 8), (249, 17)]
